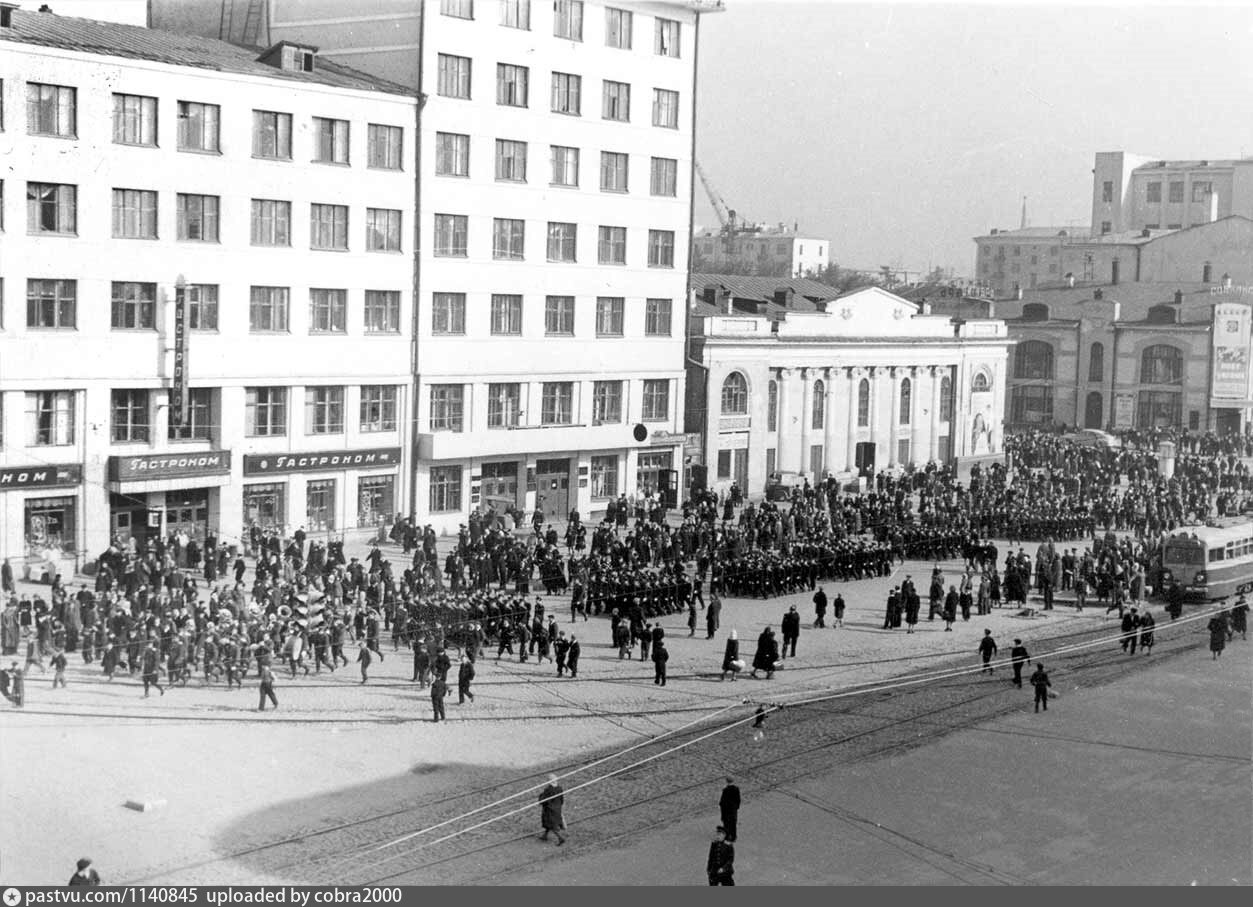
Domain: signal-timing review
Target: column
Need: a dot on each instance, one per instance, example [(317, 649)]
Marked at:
[(936, 373), (894, 416), (806, 418), (876, 418), (851, 454), (783, 448), (915, 413), (828, 420)]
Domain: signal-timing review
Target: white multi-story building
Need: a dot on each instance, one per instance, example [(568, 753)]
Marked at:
[(762, 249), (208, 226)]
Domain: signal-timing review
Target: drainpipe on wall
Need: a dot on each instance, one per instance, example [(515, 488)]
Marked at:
[(412, 476), (1079, 395)]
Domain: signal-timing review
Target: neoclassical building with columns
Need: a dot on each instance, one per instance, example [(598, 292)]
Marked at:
[(786, 384)]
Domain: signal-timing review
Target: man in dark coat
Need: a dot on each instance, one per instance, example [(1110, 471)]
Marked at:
[(987, 649), (721, 865), (552, 802), (791, 631), (660, 657), (729, 807), (1019, 657), (820, 611), (465, 674), (439, 689), (1040, 683)]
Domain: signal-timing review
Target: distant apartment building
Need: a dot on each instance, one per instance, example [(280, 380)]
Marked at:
[(1009, 260), (1133, 192), (207, 289), (766, 250)]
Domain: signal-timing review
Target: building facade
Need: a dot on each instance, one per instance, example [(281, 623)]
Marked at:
[(762, 250), (1009, 260), (840, 387), (1133, 192), (208, 292)]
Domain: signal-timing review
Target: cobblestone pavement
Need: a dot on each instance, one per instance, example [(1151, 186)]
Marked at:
[(339, 753)]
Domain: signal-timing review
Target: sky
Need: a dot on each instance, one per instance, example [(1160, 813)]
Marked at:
[(899, 132)]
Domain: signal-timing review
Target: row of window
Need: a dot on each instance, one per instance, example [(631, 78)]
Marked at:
[(448, 315), (509, 241), (1160, 363), (734, 400), (568, 22), (452, 158), (1032, 404), (51, 422), (53, 208), (445, 481), (1201, 190), (54, 304), (513, 89), (557, 406), (52, 110)]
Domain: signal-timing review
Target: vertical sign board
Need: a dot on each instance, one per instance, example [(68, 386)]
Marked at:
[(178, 392), (1124, 410), (1231, 351)]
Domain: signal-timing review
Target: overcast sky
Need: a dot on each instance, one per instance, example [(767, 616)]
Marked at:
[(899, 132)]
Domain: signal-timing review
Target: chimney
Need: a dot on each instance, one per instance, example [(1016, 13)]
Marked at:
[(1146, 232), (1098, 293), (926, 306), (796, 226), (6, 14), (820, 305), (1213, 207), (1178, 297), (1207, 272), (728, 303), (991, 308), (1117, 312), (709, 295), (1227, 281), (1070, 279), (1018, 293)]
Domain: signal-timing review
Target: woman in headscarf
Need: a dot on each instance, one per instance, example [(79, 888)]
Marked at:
[(767, 653), (731, 655), (552, 801)]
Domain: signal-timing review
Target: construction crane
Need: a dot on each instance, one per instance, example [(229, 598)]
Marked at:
[(726, 216)]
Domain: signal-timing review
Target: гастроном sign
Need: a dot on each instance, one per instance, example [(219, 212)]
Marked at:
[(161, 466), (42, 476), (320, 460)]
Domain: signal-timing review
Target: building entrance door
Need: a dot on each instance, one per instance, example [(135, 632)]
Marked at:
[(865, 458), (741, 469), (499, 486), (1227, 421), (1093, 410), (552, 488)]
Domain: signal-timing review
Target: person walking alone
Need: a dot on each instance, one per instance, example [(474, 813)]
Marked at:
[(791, 626), (465, 674), (987, 649), (729, 808), (552, 803), (267, 688), (731, 656), (820, 608), (439, 689), (1018, 657), (660, 657), (1040, 683), (720, 867)]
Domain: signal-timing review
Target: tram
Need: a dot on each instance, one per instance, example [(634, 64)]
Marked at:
[(1210, 562)]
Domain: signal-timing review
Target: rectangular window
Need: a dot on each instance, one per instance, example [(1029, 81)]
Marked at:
[(656, 399), (604, 477), (724, 464), (49, 418), (448, 313), (330, 141), (324, 410), (453, 77), (511, 85), (328, 311), (51, 303), (666, 43), (511, 160), (1201, 191), (606, 402), (657, 317), (199, 127), (382, 230), (129, 422), (515, 14), (267, 309), (445, 489), (665, 108), (198, 217), (504, 405), (202, 306), (508, 239), (617, 28), (134, 306), (52, 208), (450, 235), (1106, 227), (1107, 191), (452, 154), (271, 222), (565, 166), (51, 110), (447, 407), (567, 93), (460, 9), (134, 120), (661, 248), (328, 227), (265, 411), (1153, 192), (559, 315), (506, 314), (378, 407), (616, 101), (557, 403), (1175, 192), (665, 177), (197, 417), (611, 250), (562, 241), (609, 316), (384, 146), (134, 214), (568, 19), (320, 505), (613, 171), (271, 135), (382, 311)]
